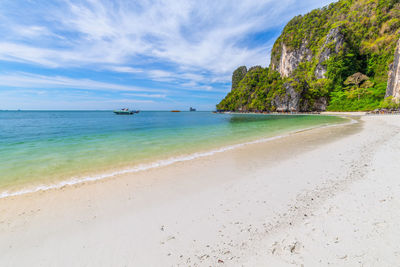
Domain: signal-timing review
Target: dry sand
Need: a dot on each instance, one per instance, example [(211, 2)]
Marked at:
[(327, 196)]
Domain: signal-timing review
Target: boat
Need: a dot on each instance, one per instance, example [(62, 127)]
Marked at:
[(175, 111), (192, 109), (124, 111)]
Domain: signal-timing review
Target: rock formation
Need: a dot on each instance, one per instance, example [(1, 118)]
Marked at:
[(393, 88), (322, 59), (356, 79), (238, 75), (290, 59), (333, 44), (289, 101)]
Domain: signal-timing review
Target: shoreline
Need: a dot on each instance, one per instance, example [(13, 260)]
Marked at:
[(273, 203), (159, 163)]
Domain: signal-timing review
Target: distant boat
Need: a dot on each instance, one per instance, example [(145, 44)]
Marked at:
[(175, 111), (192, 109), (125, 111)]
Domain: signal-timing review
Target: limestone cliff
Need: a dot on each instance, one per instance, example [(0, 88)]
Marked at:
[(289, 59), (393, 88), (318, 56), (290, 100), (286, 61), (332, 45)]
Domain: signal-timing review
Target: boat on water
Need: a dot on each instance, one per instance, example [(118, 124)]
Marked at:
[(175, 111), (125, 111), (192, 109)]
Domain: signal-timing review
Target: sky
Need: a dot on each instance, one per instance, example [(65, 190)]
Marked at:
[(140, 54)]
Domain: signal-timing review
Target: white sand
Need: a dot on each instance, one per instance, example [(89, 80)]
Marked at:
[(322, 197)]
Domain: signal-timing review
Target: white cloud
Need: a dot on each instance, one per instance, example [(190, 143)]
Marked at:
[(31, 31), (24, 53), (26, 80), (147, 95), (203, 35), (125, 69)]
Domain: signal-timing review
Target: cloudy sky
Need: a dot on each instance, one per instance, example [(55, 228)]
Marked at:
[(142, 54)]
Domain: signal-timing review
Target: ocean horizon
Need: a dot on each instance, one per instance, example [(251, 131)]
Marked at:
[(46, 149)]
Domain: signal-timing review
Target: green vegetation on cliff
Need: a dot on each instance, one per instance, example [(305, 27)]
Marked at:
[(253, 92), (238, 75), (328, 46)]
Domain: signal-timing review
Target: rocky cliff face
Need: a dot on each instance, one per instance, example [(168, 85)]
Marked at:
[(289, 101), (333, 58), (333, 44), (289, 59), (393, 88)]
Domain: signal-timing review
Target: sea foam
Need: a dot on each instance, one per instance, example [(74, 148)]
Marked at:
[(156, 164)]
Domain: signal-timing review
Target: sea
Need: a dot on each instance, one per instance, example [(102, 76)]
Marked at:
[(41, 150)]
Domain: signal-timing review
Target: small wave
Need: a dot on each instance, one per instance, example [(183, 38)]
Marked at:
[(157, 164)]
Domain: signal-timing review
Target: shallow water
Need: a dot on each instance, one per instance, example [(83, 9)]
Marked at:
[(46, 147)]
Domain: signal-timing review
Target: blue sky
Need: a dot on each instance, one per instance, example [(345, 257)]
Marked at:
[(142, 54)]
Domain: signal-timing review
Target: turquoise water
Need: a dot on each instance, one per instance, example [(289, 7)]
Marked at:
[(45, 147)]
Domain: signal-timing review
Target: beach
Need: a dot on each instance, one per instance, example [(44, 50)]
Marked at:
[(324, 196)]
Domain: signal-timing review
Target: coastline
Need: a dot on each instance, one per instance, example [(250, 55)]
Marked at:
[(242, 206), (160, 163)]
